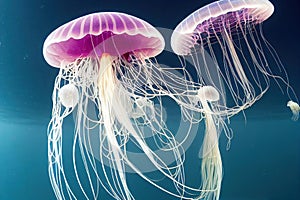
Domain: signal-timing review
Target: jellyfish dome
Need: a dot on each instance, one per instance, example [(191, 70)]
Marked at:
[(101, 33), (109, 81), (209, 20), (208, 93), (295, 109), (68, 95)]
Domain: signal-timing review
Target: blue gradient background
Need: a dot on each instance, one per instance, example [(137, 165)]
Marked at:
[(262, 164)]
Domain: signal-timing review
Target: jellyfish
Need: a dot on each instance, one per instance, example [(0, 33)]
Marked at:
[(68, 95), (244, 61), (295, 109), (211, 166), (111, 83), (227, 31)]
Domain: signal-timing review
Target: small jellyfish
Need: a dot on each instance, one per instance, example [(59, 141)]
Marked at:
[(211, 166), (295, 109), (68, 95)]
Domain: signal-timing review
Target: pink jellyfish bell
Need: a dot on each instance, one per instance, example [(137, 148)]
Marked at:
[(100, 35)]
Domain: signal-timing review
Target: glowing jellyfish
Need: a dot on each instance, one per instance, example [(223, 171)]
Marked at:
[(295, 109), (68, 95), (109, 83), (225, 31), (211, 166)]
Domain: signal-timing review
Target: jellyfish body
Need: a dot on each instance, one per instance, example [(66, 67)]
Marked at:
[(295, 108), (208, 93), (211, 166), (106, 57), (68, 95), (227, 31)]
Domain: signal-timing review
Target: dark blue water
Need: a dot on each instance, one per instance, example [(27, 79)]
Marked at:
[(262, 164)]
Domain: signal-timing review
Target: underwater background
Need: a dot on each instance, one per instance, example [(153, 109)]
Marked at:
[(263, 162)]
